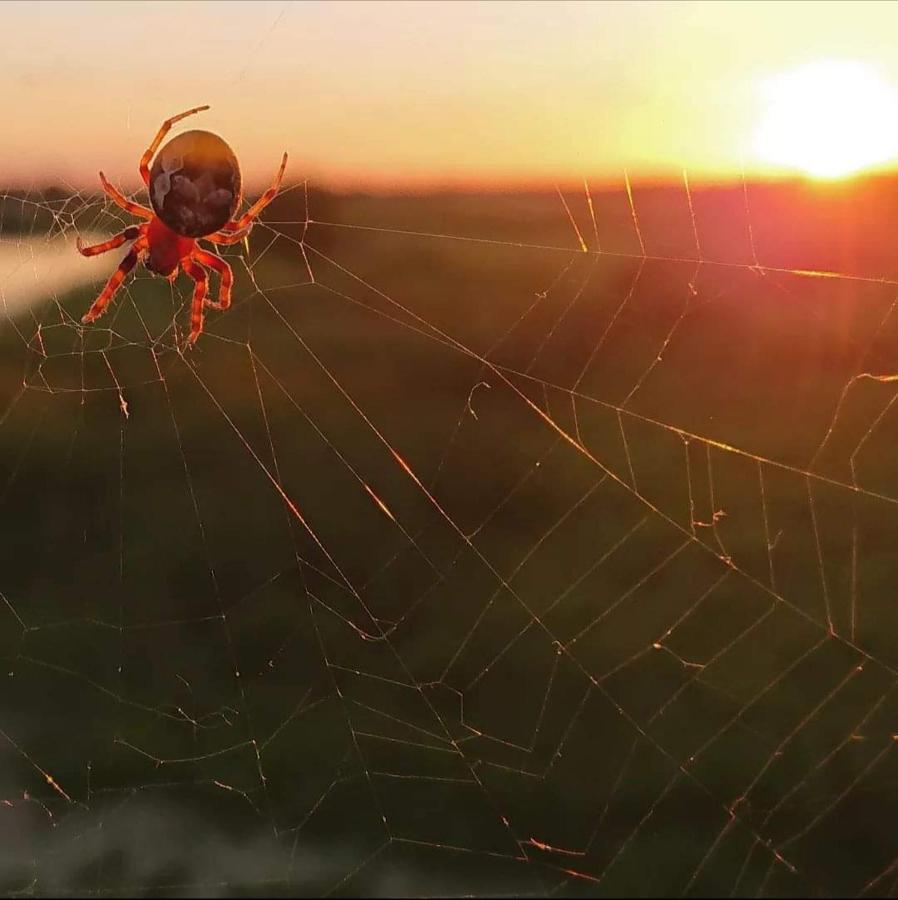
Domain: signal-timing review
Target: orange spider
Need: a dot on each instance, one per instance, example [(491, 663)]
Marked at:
[(195, 187)]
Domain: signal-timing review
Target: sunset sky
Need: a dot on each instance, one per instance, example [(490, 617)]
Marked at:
[(396, 94)]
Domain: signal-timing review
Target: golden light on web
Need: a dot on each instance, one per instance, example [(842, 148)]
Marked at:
[(829, 119)]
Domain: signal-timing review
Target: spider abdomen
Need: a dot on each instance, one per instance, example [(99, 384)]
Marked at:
[(195, 183)]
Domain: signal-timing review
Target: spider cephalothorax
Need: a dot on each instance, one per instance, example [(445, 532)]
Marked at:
[(195, 188)]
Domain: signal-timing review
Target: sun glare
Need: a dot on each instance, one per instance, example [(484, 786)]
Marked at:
[(829, 119)]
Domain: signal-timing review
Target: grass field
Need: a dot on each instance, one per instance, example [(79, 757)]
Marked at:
[(481, 564)]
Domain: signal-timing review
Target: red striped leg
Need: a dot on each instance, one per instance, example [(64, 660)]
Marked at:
[(200, 280), (211, 261), (134, 208), (224, 238), (260, 204), (129, 234), (160, 135), (115, 282)]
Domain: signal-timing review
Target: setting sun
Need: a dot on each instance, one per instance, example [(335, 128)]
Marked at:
[(829, 119)]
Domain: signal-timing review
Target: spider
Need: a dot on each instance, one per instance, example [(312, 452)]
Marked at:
[(195, 188)]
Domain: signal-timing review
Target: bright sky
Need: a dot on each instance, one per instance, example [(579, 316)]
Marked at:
[(391, 94)]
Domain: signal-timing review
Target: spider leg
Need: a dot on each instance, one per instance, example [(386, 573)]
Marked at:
[(201, 282), (211, 261), (129, 234), (134, 208), (115, 282), (163, 131), (232, 237), (260, 204)]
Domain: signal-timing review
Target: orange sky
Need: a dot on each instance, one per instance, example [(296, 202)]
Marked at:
[(396, 94)]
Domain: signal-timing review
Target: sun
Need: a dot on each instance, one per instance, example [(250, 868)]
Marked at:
[(829, 119)]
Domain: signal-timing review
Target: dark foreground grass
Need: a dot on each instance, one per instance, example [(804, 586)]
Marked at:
[(476, 566)]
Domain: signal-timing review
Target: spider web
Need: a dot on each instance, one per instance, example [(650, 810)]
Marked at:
[(519, 544)]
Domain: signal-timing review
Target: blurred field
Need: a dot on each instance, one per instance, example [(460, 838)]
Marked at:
[(611, 637)]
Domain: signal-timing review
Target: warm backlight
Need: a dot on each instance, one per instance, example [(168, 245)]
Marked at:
[(828, 119)]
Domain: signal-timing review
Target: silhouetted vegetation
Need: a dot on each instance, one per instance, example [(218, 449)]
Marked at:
[(151, 554)]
